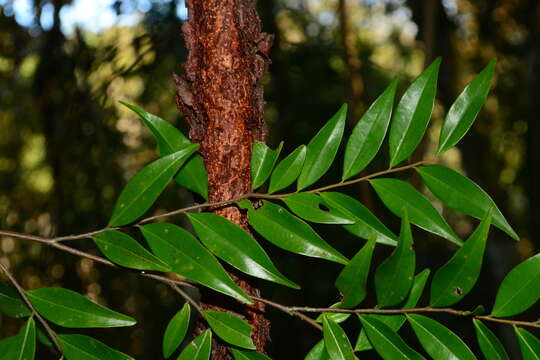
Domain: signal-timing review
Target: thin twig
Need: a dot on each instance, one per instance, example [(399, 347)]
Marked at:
[(188, 298), (82, 236), (511, 322), (377, 311), (23, 295), (288, 311)]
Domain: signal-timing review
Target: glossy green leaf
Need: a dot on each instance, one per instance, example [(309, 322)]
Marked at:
[(462, 194), (322, 149), (395, 275), (337, 317), (365, 223), (519, 290), (24, 344), (489, 344), (230, 328), (386, 341), (192, 175), (288, 170), (199, 348), (312, 207), (236, 246), (189, 258), (82, 347), (529, 344), (288, 232), (464, 110), (263, 160), (336, 341), (398, 195), (439, 342), (352, 280), (318, 352), (123, 250), (248, 355), (70, 309), (368, 134), (457, 277), (144, 188), (412, 114), (11, 302), (176, 330)]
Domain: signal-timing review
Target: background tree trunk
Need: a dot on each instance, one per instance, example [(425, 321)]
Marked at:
[(223, 104)]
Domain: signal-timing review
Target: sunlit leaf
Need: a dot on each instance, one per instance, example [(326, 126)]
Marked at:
[(288, 232), (519, 290), (412, 114), (336, 341), (322, 149), (123, 250), (192, 175), (312, 207), (82, 347), (199, 348), (288, 170), (230, 328), (439, 342), (464, 110), (457, 277), (318, 352), (368, 134), (70, 309), (489, 344), (462, 194), (236, 246), (352, 280), (189, 258), (365, 223), (247, 355), (398, 195), (11, 302), (263, 160), (386, 341), (23, 346), (529, 344), (394, 277), (176, 330), (144, 188)]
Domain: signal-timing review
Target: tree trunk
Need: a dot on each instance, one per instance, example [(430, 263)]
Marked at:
[(223, 104)]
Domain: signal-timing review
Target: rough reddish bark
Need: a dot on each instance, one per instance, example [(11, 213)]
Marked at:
[(223, 104)]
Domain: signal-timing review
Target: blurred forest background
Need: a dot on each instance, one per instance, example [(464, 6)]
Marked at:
[(67, 146)]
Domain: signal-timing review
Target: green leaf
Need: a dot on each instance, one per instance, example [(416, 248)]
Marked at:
[(176, 331), (412, 114), (144, 188), (464, 110), (386, 341), (398, 195), (263, 160), (192, 175), (336, 341), (42, 338), (519, 290), (462, 194), (489, 344), (82, 347), (6, 345), (365, 223), (288, 232), (70, 309), (529, 344), (352, 280), (123, 250), (189, 258), (11, 302), (322, 149), (230, 328), (457, 277), (337, 317), (236, 246), (394, 277), (24, 344), (318, 352), (439, 342), (312, 207), (247, 355), (288, 170), (199, 348), (368, 134)]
